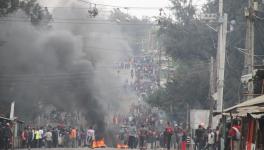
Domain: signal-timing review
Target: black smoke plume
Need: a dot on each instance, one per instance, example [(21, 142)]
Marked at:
[(61, 66)]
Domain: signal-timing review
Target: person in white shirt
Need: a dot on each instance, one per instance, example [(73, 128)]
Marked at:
[(48, 137), (211, 140), (90, 136)]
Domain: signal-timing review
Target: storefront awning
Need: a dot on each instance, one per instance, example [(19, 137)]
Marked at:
[(256, 116), (255, 105)]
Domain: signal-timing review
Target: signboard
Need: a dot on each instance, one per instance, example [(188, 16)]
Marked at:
[(198, 116)]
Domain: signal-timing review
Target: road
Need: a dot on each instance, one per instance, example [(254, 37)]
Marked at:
[(70, 149)]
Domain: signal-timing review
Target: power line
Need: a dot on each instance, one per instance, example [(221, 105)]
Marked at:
[(113, 6), (83, 22), (76, 20), (130, 7), (124, 7), (84, 19), (243, 51)]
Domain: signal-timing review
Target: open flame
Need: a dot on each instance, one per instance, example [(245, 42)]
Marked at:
[(99, 143), (122, 146)]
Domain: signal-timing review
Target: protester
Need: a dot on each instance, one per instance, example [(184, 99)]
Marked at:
[(24, 137), (210, 140), (30, 138), (184, 140), (167, 135), (234, 134), (42, 138), (55, 137), (132, 134), (81, 138), (90, 136), (1, 136), (217, 138), (200, 140), (73, 137), (142, 137), (151, 137), (48, 137), (37, 138), (7, 136)]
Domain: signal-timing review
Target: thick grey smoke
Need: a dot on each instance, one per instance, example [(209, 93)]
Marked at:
[(68, 65)]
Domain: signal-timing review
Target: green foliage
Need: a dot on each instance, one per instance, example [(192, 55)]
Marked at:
[(37, 14), (8, 6), (188, 86), (189, 42), (234, 58)]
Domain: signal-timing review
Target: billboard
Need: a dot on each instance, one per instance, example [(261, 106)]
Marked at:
[(198, 116)]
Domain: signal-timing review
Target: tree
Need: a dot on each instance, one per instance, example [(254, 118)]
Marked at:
[(37, 14), (8, 6), (190, 42)]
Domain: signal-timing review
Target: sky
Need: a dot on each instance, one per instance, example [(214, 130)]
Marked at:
[(148, 8)]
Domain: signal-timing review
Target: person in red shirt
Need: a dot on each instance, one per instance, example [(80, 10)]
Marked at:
[(24, 137), (167, 134), (234, 135)]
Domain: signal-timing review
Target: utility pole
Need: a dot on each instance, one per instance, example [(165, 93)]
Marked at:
[(250, 33), (221, 59), (221, 56), (187, 117), (159, 65), (211, 91), (221, 19), (159, 52)]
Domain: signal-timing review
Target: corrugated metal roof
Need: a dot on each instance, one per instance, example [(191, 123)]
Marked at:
[(3, 118), (256, 116), (258, 101)]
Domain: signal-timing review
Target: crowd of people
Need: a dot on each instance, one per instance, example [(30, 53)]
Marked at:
[(143, 137), (56, 137), (48, 137), (206, 138), (143, 73), (144, 124), (144, 127), (210, 139)]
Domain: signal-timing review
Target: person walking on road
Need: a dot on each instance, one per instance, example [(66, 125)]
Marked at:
[(30, 138), (48, 138), (24, 137), (234, 135), (73, 137), (55, 137), (132, 137), (142, 137), (90, 136), (210, 140), (200, 140), (7, 136), (184, 140), (167, 134)]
